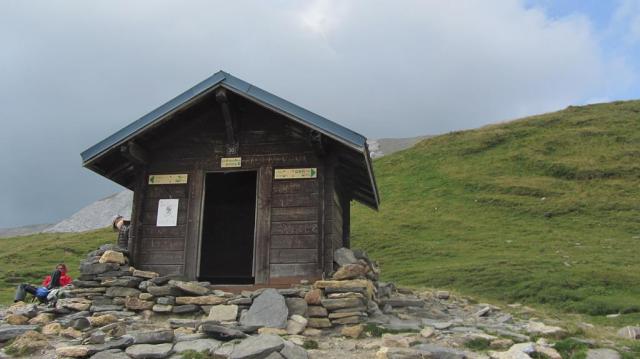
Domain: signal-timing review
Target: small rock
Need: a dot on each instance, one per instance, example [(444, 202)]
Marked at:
[(16, 319), (482, 312), (442, 294), (353, 331), (343, 256), (81, 323), (318, 323), (189, 287), (223, 313), (97, 337), (166, 300), (427, 332), (203, 300), (102, 320), (153, 337), (296, 306), (350, 271), (52, 329), (501, 343), (149, 351), (187, 308), (222, 333), (134, 303), (112, 257), (317, 311), (296, 324), (162, 308), (41, 319), (144, 274), (199, 345), (71, 333), (540, 328), (313, 296)]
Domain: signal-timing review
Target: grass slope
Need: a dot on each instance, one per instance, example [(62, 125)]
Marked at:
[(30, 258), (541, 210)]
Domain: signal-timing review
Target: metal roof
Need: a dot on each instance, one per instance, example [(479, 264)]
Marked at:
[(327, 127)]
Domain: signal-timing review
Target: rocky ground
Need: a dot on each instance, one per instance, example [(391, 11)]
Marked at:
[(116, 311)]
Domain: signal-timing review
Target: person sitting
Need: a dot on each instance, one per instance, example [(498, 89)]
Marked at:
[(57, 279), (119, 224)]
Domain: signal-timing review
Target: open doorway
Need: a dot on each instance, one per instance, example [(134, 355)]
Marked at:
[(228, 225)]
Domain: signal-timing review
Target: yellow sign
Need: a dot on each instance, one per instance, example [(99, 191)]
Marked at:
[(168, 179), (230, 162), (295, 173)]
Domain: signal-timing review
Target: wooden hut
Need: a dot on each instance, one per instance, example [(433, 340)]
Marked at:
[(235, 185)]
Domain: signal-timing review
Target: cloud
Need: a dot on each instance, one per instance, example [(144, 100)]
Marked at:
[(74, 72)]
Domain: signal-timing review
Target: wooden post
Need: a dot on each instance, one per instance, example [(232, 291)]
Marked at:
[(194, 211), (263, 225)]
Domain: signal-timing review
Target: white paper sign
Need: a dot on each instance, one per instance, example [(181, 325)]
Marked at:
[(167, 213)]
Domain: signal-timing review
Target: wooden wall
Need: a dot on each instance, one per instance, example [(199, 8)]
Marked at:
[(290, 221)]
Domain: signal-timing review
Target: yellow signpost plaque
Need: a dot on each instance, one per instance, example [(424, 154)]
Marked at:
[(231, 162), (295, 173), (168, 179)]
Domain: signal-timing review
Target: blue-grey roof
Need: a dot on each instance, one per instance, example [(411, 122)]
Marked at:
[(327, 127)]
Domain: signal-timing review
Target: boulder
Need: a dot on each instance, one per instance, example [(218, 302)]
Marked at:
[(75, 351), (268, 310), (8, 331), (199, 345), (223, 313), (149, 351), (350, 271), (258, 346), (343, 256), (153, 337), (112, 257), (190, 287), (296, 324)]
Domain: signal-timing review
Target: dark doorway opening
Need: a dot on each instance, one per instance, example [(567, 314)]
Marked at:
[(228, 225)]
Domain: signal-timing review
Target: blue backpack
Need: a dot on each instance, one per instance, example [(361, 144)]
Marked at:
[(42, 292)]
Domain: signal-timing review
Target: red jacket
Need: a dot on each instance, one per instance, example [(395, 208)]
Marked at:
[(64, 280)]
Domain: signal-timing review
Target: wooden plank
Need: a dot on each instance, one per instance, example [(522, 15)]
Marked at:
[(328, 212), (292, 270), (284, 214), (295, 200), (151, 205), (155, 244), (263, 224), (150, 230), (295, 186), (295, 241), (194, 212), (162, 257), (137, 219), (303, 227), (167, 191), (346, 222), (291, 255)]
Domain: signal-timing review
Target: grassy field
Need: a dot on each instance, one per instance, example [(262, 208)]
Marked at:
[(28, 259), (543, 210)]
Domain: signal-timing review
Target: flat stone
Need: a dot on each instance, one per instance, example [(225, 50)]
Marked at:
[(42, 318), (8, 332), (122, 292), (343, 256), (144, 274), (163, 290), (106, 308), (202, 300), (223, 313), (603, 353), (102, 320), (348, 320), (190, 287), (112, 257), (120, 343), (268, 310), (85, 283), (363, 286), (440, 352), (442, 294), (149, 351), (353, 331), (111, 354), (166, 300), (97, 268), (198, 345), (292, 351), (52, 329), (16, 319), (350, 271), (76, 351), (629, 332), (296, 306), (540, 328), (241, 301), (402, 302), (125, 281), (134, 303), (318, 323), (183, 323), (257, 347), (316, 311), (333, 304), (81, 323), (482, 312), (187, 308), (153, 337), (71, 333), (221, 332)]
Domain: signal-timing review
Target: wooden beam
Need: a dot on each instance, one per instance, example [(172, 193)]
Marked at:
[(134, 153), (315, 138), (223, 100)]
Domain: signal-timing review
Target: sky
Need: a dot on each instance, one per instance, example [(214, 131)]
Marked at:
[(74, 72)]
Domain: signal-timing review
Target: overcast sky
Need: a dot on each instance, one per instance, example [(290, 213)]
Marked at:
[(73, 72)]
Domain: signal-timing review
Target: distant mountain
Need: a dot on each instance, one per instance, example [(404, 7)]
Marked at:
[(23, 231), (386, 146), (99, 214)]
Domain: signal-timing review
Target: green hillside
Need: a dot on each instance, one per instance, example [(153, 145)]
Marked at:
[(28, 259), (541, 210)]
